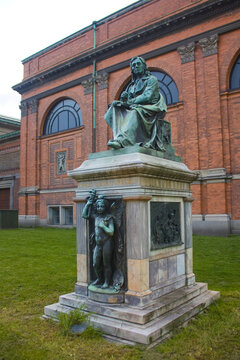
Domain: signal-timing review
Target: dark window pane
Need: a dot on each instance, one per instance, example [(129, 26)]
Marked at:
[(72, 121), (79, 117), (235, 75), (159, 75), (76, 107), (55, 216), (63, 120), (167, 80), (63, 116), (174, 92), (54, 127), (163, 88), (68, 216), (69, 102)]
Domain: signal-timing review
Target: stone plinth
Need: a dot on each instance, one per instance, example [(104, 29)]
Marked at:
[(160, 289)]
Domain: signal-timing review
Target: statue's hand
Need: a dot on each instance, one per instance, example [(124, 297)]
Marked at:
[(134, 106), (116, 103), (92, 196), (102, 224)]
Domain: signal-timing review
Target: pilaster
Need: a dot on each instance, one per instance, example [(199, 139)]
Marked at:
[(102, 129), (190, 277), (190, 105), (82, 251), (209, 46)]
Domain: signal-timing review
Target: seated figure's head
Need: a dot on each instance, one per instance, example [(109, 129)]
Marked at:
[(138, 62)]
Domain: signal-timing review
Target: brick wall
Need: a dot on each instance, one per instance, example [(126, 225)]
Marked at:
[(205, 122), (9, 170)]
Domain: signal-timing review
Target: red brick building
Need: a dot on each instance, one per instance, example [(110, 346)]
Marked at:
[(192, 46), (9, 162)]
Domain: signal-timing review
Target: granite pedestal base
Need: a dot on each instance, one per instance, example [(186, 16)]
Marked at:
[(159, 291), (146, 325)]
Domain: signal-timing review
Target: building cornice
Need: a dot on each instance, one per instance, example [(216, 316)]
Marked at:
[(88, 28), (14, 135), (186, 18), (10, 122), (124, 64)]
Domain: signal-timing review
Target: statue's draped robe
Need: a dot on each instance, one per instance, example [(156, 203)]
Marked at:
[(139, 124)]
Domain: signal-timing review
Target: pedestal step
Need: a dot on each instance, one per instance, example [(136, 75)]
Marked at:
[(135, 314), (146, 326)]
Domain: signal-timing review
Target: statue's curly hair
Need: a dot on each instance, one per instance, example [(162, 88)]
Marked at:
[(101, 199)]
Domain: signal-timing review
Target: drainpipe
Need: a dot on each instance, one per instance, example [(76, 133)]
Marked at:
[(94, 91)]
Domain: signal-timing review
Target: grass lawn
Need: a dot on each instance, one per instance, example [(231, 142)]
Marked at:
[(38, 265)]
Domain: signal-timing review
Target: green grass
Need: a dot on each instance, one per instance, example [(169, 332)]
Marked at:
[(38, 265)]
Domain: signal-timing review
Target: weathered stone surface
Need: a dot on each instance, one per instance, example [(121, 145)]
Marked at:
[(133, 174), (137, 232), (82, 272), (148, 325), (138, 275), (160, 292)]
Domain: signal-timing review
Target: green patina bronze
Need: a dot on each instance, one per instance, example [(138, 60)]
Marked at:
[(106, 242), (136, 117), (165, 224)]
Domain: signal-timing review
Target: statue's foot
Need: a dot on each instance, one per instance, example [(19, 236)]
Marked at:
[(114, 144), (96, 282), (105, 285)]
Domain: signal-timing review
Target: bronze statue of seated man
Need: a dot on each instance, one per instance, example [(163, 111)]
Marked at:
[(134, 118)]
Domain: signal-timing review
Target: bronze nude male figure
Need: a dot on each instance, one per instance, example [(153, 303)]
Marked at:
[(106, 238)]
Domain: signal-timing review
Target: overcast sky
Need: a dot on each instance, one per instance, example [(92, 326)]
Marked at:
[(28, 26)]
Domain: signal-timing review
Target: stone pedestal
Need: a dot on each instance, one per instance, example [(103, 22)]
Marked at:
[(160, 289)]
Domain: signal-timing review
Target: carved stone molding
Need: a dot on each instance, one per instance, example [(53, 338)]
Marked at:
[(33, 104), (23, 107), (29, 190), (88, 85), (187, 52), (209, 45), (102, 80)]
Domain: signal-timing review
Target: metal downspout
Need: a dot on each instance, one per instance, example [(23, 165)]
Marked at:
[(94, 91)]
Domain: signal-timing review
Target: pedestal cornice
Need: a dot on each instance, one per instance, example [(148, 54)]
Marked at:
[(132, 165)]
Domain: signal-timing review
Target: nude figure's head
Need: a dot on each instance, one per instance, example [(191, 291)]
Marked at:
[(101, 204)]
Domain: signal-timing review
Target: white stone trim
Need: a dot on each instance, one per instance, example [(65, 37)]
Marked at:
[(211, 217), (217, 217), (57, 190), (236, 177)]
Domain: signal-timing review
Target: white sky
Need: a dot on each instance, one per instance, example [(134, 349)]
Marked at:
[(28, 26)]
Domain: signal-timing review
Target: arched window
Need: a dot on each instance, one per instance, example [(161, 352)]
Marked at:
[(235, 75), (167, 87), (65, 115)]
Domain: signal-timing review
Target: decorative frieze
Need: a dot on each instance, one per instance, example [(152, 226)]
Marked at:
[(186, 52), (102, 80), (29, 190), (209, 45)]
